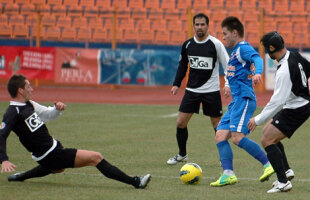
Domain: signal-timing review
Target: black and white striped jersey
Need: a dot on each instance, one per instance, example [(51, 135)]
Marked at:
[(291, 89), (203, 58), (27, 121)]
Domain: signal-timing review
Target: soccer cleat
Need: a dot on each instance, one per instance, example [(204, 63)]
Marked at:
[(144, 180), (14, 177), (281, 187), (224, 180), (289, 175), (268, 171), (176, 159)]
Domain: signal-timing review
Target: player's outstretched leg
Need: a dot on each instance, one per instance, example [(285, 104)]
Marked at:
[(38, 171)]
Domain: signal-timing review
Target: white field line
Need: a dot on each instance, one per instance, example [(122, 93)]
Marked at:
[(176, 177)]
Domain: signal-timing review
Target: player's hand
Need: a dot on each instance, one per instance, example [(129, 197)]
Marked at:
[(257, 79), (252, 124), (7, 166), (60, 106), (174, 90), (226, 91)]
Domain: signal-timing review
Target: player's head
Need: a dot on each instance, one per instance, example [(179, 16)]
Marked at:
[(201, 25), (233, 30), (19, 85), (272, 42)]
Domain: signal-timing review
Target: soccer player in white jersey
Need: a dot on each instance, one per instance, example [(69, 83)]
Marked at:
[(203, 52), (242, 75), (27, 119), (287, 109)]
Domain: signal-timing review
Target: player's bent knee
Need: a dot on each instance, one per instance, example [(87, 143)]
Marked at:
[(96, 158)]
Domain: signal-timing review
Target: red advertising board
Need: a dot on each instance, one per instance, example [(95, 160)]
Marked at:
[(33, 62), (77, 66)]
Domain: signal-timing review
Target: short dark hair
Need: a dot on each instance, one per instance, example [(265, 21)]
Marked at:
[(233, 23), (201, 15), (272, 38), (16, 81)]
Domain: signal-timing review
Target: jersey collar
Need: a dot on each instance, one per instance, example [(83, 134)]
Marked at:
[(15, 103), (203, 41)]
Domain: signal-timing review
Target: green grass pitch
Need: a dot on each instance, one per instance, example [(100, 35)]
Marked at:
[(139, 139)]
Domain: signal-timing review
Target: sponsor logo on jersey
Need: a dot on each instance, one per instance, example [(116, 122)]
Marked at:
[(198, 62), (2, 126), (34, 122)]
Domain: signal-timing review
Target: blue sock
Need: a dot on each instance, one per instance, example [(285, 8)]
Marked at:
[(253, 149), (226, 155)]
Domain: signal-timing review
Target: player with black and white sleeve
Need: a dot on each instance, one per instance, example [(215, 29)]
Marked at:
[(287, 109)]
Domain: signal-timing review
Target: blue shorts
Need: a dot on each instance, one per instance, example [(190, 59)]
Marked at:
[(239, 112)]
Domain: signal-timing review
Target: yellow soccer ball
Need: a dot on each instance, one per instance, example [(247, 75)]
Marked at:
[(191, 173)]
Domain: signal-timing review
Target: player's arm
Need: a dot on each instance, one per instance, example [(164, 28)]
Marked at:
[(181, 72), (7, 123), (223, 58), (48, 113), (281, 93)]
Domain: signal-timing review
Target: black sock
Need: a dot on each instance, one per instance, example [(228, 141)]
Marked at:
[(281, 147), (276, 159), (113, 172), (182, 135), (38, 171)]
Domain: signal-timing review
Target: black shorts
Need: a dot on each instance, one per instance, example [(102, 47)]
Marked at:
[(289, 120), (211, 103), (59, 158)]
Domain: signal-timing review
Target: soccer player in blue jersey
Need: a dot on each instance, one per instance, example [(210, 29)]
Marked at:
[(242, 75)]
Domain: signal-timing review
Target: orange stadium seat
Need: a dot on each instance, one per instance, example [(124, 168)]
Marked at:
[(144, 24), (200, 4), (64, 21), (139, 13), (4, 19), (152, 4), (297, 6), (119, 35), (17, 20), (34, 31), (127, 24), (267, 5), (161, 37), (120, 3), (87, 3), (130, 36), (218, 16), (70, 2), (68, 33), (5, 30), (20, 30), (104, 4), (52, 33), (59, 10), (75, 10), (249, 5), (168, 4), (83, 34), (146, 36), (27, 9), (135, 4), (300, 40), (48, 20), (79, 22), (99, 34), (177, 37), (157, 14), (11, 9), (171, 14), (158, 25), (44, 9), (270, 26), (22, 1), (6, 1), (253, 39), (251, 16), (281, 6), (184, 4), (216, 4), (175, 25), (108, 24), (54, 2), (123, 13), (95, 22), (40, 2), (32, 20), (232, 4), (91, 11)]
